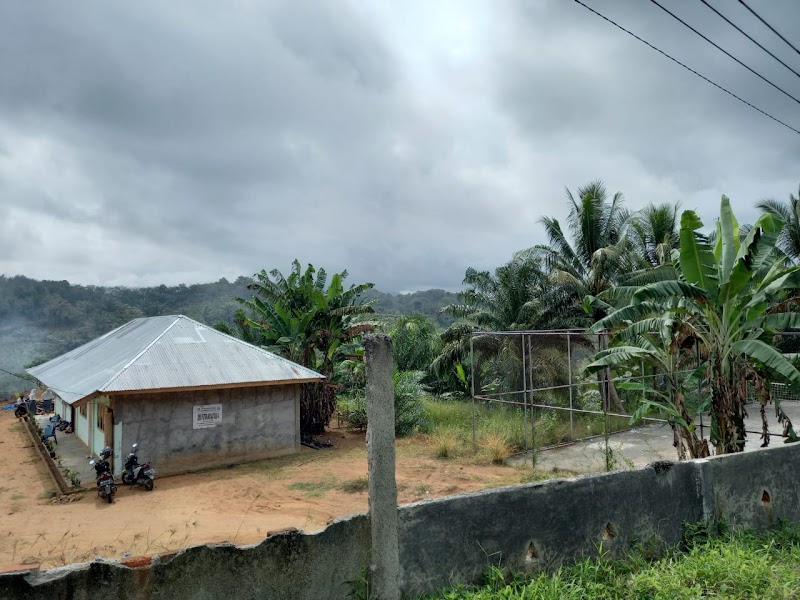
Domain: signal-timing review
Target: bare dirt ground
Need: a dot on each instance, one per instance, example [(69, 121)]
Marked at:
[(241, 505)]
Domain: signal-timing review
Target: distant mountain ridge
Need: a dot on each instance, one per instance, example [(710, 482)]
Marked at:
[(42, 319)]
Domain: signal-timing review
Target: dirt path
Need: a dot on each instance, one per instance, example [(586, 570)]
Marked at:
[(240, 505)]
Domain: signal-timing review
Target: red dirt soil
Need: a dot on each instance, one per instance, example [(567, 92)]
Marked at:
[(240, 505)]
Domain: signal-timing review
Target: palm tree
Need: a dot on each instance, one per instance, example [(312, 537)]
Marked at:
[(789, 240), (507, 300), (654, 233), (598, 258), (298, 317), (599, 255)]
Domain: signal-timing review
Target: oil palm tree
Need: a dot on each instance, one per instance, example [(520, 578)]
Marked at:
[(506, 300)]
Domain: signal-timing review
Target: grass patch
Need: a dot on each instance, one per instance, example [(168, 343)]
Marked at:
[(45, 494), (354, 486), (423, 489), (452, 420), (314, 489), (17, 496), (733, 566)]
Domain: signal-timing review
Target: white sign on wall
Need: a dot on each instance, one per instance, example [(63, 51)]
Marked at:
[(208, 415)]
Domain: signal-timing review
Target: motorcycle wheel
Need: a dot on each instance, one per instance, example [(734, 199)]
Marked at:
[(110, 498), (148, 485), (126, 478)]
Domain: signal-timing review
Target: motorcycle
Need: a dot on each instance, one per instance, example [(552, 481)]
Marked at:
[(135, 473), (106, 488)]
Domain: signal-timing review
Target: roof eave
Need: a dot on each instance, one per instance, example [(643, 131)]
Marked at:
[(213, 386)]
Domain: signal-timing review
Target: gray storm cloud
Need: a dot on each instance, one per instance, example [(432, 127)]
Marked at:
[(177, 142)]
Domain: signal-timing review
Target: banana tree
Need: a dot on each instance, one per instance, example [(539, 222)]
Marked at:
[(731, 298), (302, 319)]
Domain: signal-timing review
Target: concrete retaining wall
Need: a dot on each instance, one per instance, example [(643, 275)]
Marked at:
[(257, 423), (452, 540)]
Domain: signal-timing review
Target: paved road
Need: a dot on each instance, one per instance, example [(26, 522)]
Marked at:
[(644, 445)]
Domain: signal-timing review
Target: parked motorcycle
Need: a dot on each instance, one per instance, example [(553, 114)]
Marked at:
[(106, 488), (135, 473)]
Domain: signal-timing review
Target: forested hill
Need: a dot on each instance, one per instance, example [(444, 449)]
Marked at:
[(42, 319)]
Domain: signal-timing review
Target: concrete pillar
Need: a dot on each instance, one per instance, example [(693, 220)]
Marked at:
[(385, 555)]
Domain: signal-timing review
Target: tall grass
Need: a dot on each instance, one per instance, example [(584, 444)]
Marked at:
[(512, 423)]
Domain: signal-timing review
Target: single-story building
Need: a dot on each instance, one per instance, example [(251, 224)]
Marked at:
[(190, 396)]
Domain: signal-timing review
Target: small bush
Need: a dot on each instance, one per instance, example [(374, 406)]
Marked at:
[(410, 412), (353, 486), (496, 446), (354, 410), (445, 444)]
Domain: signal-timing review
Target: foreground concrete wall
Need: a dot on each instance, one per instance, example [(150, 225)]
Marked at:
[(257, 422), (452, 540)]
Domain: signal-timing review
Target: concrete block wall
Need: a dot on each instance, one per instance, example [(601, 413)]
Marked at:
[(452, 540), (257, 422)]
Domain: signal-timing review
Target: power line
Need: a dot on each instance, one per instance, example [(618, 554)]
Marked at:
[(745, 34), (675, 60), (721, 49), (18, 376), (757, 16)]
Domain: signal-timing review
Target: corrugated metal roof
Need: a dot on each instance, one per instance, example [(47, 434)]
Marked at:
[(163, 353)]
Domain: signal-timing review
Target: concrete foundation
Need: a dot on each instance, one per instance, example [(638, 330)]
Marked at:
[(452, 540)]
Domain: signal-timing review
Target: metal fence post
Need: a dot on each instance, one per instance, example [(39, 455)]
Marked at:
[(569, 381)]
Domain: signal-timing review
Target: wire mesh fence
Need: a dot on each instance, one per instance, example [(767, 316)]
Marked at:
[(532, 389)]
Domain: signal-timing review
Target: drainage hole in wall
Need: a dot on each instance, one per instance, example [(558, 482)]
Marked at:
[(609, 533), (532, 554), (765, 497)]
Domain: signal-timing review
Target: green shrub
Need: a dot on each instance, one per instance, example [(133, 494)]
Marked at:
[(354, 410), (410, 412)]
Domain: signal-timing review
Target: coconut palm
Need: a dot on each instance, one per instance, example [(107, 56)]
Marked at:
[(789, 239), (654, 233), (599, 254), (598, 258)]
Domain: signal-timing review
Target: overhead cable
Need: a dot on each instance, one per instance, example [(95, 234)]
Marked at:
[(721, 49), (675, 60), (771, 28), (745, 34)]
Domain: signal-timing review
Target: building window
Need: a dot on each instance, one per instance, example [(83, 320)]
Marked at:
[(83, 410), (101, 412)]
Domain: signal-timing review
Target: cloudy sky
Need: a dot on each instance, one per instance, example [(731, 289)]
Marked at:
[(178, 142)]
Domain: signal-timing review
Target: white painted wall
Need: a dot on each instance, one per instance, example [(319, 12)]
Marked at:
[(82, 424)]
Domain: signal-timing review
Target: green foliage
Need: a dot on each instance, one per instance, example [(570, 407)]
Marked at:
[(309, 320), (410, 411), (414, 342), (730, 299), (736, 566)]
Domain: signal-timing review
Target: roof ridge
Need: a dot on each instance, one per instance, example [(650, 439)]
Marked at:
[(138, 356)]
